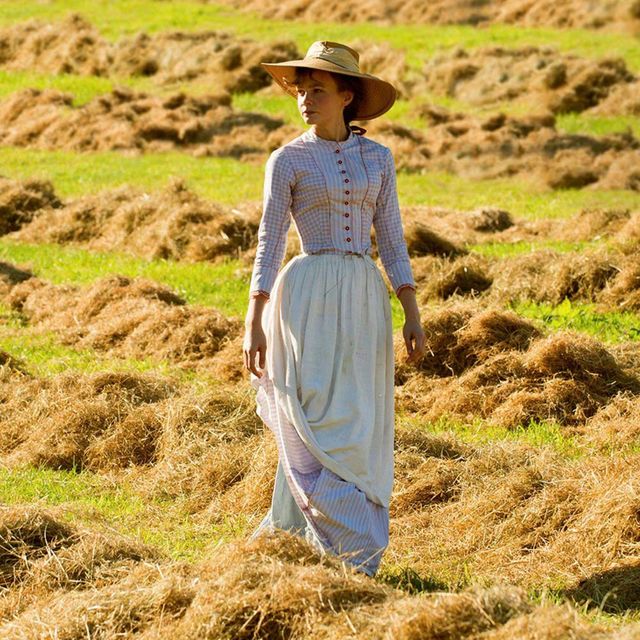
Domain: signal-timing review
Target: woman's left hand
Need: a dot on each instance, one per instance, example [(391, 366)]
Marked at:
[(414, 340)]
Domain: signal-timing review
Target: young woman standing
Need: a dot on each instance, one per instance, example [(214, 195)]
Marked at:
[(318, 339)]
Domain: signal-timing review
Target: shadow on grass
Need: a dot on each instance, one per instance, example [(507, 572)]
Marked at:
[(614, 591), (411, 581)]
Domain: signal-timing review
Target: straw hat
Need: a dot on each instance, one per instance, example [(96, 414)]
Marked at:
[(379, 95)]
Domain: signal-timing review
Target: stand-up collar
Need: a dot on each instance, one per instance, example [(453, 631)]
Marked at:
[(311, 136)]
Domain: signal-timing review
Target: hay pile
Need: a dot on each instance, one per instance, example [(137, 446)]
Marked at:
[(494, 365), (22, 200), (487, 224), (504, 146), (610, 278), (519, 513), (171, 223), (137, 122), (75, 46), (204, 447), (542, 76), (616, 15), (131, 318), (275, 586)]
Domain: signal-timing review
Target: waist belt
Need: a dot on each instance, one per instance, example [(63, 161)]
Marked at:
[(333, 250)]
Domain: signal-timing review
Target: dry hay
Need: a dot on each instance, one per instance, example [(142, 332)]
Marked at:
[(132, 318), (617, 15), (442, 279), (505, 146), (136, 122), (623, 98), (21, 201), (206, 448), (494, 365), (171, 223), (611, 279), (74, 46), (487, 224), (540, 75), (519, 513), (549, 276), (10, 275), (274, 586)]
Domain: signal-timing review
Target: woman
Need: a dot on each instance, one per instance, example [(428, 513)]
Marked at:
[(320, 328)]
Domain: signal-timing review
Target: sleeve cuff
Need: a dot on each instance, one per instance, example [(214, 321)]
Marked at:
[(263, 278), (404, 286), (399, 274)]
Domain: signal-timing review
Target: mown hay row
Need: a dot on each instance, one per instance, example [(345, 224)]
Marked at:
[(494, 365), (500, 146), (132, 318), (171, 223), (515, 512), (274, 586), (609, 278), (206, 448), (75, 46), (542, 76), (135, 122), (617, 15)]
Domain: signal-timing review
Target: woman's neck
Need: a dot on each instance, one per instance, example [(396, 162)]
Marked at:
[(338, 133)]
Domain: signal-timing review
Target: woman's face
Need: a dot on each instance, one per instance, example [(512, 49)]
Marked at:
[(319, 100)]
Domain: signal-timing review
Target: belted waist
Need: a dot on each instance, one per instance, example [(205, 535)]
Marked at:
[(334, 250)]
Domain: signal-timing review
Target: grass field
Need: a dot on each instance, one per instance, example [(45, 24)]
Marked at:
[(537, 484)]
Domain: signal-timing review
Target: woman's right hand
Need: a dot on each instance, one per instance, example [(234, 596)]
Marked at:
[(254, 345)]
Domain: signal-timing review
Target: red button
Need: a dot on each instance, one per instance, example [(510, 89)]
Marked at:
[(346, 202), (348, 239), (339, 161), (337, 150), (343, 171), (347, 192), (346, 179), (346, 215), (346, 228)]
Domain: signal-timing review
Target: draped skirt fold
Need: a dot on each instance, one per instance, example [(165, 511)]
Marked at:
[(327, 395)]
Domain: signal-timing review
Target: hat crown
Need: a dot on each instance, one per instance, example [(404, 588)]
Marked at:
[(336, 53)]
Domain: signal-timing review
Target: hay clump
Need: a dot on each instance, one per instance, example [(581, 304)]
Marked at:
[(541, 75), (496, 366), (173, 223), (73, 45), (506, 146), (130, 317), (22, 201), (137, 122)]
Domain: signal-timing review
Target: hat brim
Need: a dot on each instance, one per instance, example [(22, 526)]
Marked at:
[(379, 95)]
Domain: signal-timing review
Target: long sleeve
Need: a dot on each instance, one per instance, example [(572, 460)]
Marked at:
[(387, 223), (274, 224)]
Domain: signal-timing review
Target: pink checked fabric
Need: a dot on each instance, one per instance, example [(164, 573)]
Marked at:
[(334, 191)]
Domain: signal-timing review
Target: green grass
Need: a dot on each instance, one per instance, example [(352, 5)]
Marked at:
[(585, 124), (612, 326), (93, 499), (202, 283), (482, 432), (229, 181), (505, 249), (117, 18), (224, 180)]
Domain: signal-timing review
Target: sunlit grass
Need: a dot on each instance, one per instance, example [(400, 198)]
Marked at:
[(118, 18)]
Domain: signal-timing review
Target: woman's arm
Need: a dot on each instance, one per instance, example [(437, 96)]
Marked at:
[(272, 241), (412, 331), (392, 248)]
